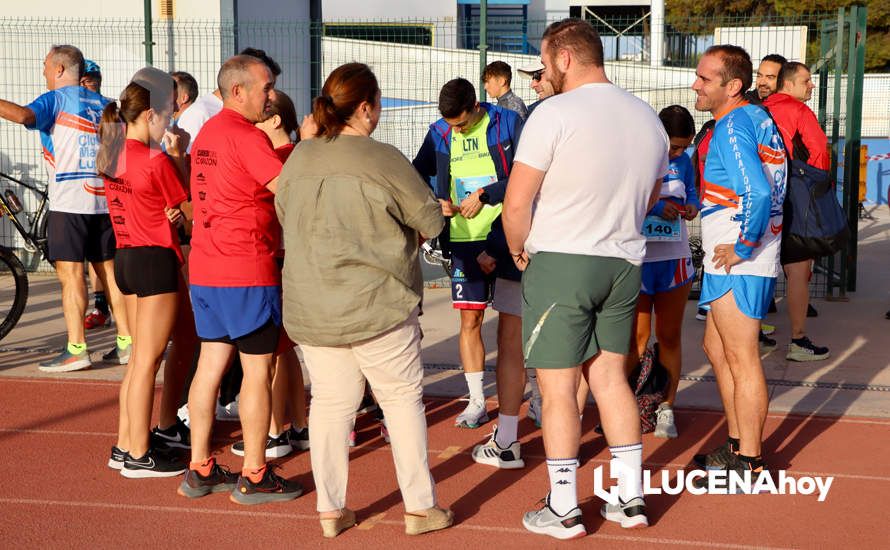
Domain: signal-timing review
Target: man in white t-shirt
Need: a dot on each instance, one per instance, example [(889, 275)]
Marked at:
[(588, 168)]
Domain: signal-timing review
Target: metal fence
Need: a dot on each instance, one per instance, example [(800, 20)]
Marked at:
[(412, 60)]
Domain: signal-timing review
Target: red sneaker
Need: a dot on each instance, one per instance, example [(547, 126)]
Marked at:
[(96, 319)]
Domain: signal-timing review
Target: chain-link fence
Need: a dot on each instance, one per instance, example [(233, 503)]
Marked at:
[(412, 59)]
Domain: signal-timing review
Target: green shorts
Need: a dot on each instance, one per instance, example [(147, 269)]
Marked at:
[(573, 306)]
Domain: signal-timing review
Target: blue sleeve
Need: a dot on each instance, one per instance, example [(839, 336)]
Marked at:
[(425, 161), (498, 190), (657, 209), (46, 109), (738, 151), (689, 181)]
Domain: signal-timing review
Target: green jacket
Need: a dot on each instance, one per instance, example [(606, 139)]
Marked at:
[(351, 210)]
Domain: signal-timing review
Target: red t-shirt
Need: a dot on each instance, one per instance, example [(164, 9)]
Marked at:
[(793, 116), (236, 232), (146, 183), (284, 151)]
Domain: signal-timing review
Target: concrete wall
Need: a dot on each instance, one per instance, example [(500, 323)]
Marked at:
[(352, 10)]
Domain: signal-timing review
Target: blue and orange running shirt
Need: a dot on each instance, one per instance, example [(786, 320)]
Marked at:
[(68, 121), (743, 190)]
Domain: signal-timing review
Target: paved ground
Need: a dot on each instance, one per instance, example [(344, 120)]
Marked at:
[(826, 419), (854, 381)]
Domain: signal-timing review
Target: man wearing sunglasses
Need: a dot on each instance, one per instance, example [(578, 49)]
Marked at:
[(539, 84)]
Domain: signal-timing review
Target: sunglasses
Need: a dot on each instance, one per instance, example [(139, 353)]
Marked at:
[(536, 76)]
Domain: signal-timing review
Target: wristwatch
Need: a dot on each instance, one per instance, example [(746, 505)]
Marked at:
[(483, 197)]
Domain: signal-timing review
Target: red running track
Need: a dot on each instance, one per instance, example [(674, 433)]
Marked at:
[(57, 492)]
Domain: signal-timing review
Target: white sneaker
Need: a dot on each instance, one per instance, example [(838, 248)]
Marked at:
[(631, 515), (473, 416), (384, 431), (183, 414), (535, 412), (228, 412), (664, 425), (544, 521), (491, 453)]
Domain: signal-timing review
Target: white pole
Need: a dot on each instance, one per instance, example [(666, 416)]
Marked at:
[(656, 47)]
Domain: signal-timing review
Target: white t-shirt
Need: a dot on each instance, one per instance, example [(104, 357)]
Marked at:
[(602, 149), (197, 114)]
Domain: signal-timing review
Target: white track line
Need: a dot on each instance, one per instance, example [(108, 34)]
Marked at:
[(314, 518), (779, 416), (450, 452)]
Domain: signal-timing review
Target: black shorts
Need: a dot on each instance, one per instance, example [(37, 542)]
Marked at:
[(262, 341), (146, 270), (79, 237)]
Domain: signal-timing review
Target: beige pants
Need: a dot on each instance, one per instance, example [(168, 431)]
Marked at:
[(391, 364)]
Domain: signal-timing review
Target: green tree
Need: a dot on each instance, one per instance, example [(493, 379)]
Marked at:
[(702, 16)]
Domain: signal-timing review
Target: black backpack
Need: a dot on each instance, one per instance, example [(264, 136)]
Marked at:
[(815, 221)]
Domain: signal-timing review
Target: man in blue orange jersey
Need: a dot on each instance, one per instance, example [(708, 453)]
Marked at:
[(743, 189)]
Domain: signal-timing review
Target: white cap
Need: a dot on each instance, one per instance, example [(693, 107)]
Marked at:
[(531, 68)]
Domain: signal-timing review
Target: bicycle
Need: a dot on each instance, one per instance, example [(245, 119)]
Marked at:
[(13, 276), (432, 254)]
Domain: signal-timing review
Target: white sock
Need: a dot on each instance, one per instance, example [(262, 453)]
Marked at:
[(474, 383), (563, 493), (508, 430), (533, 382), (630, 477)]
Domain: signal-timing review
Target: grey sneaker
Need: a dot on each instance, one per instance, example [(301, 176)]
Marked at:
[(631, 514), (544, 521), (229, 412), (473, 416), (117, 355), (534, 411), (491, 453), (664, 426), (67, 362), (716, 459), (271, 488)]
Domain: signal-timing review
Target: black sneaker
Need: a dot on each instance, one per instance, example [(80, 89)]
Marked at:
[(367, 405), (802, 349), (152, 464), (177, 436), (716, 459), (116, 462), (767, 344), (298, 439), (271, 488), (195, 485), (734, 464), (811, 311), (276, 447)]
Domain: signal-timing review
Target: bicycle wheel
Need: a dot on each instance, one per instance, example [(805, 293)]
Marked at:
[(13, 290)]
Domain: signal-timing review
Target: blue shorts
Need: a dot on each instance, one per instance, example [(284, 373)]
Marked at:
[(470, 287), (233, 312), (752, 293), (666, 275)]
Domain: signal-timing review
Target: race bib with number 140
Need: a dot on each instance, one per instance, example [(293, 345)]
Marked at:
[(656, 228)]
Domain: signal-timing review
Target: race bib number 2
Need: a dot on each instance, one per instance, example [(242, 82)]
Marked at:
[(464, 187), (656, 228)]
